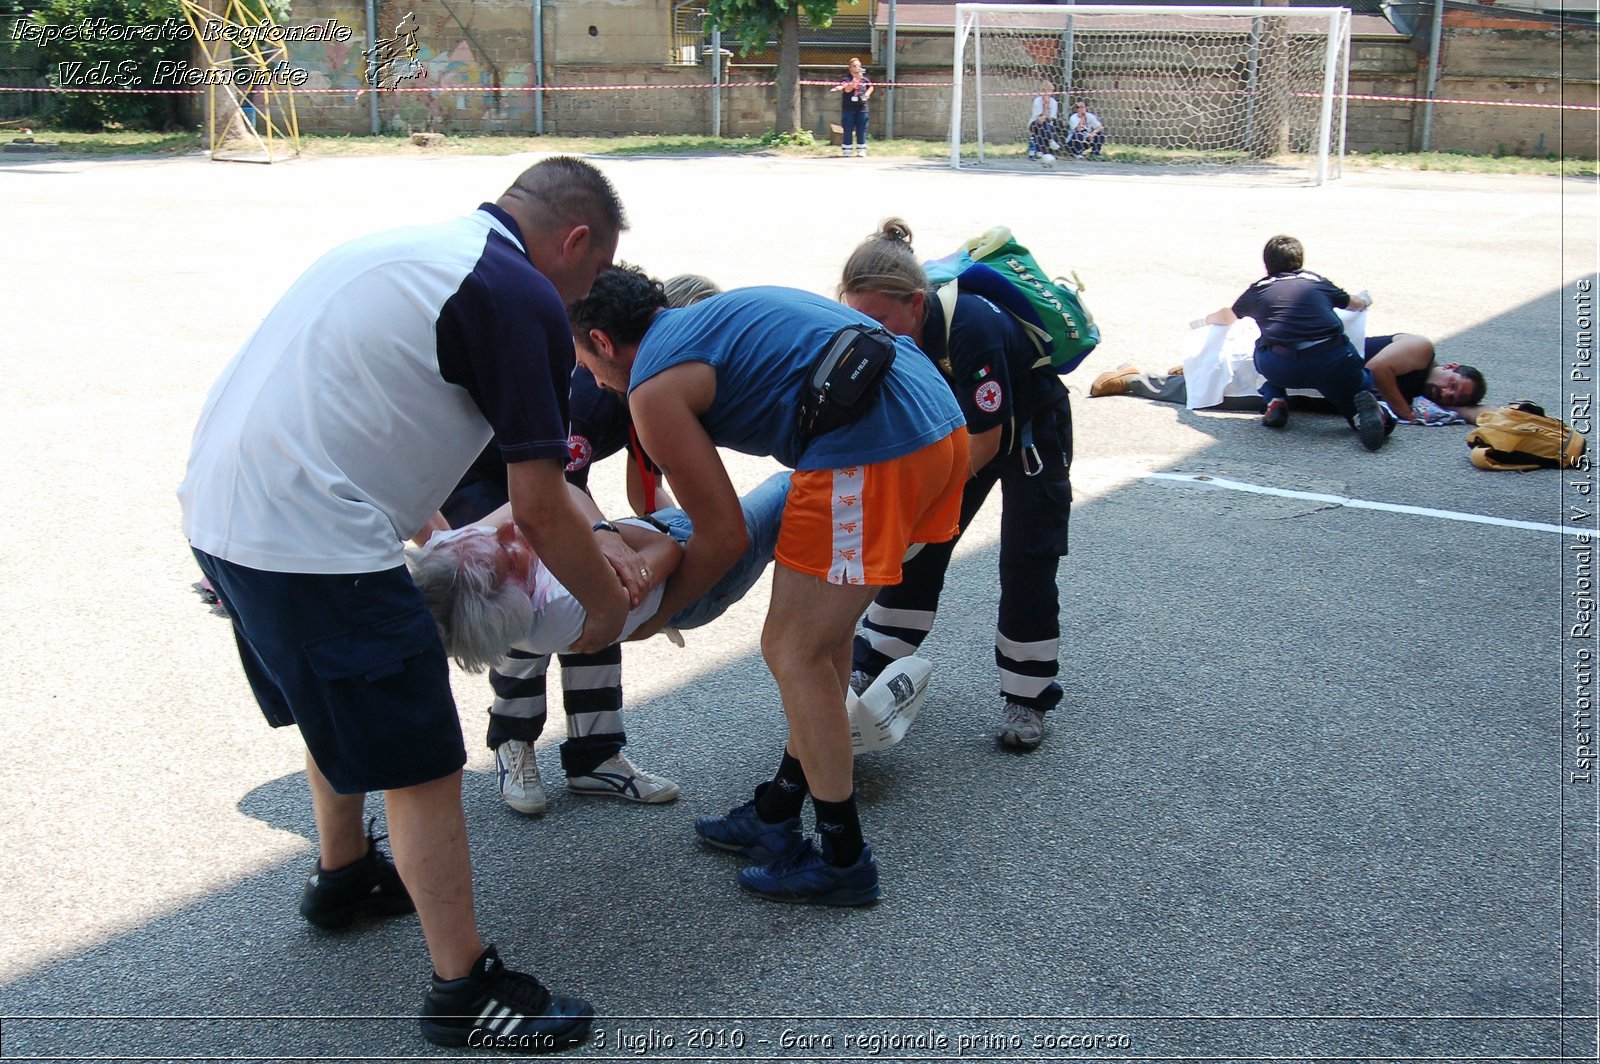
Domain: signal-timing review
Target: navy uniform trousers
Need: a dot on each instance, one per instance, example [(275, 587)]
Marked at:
[(1033, 540)]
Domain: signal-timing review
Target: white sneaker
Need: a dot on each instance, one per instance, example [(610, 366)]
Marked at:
[(520, 785), (618, 777), (1055, 145)]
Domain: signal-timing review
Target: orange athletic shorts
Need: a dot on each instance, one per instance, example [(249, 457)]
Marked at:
[(853, 525)]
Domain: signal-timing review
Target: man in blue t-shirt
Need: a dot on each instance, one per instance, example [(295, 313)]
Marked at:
[(733, 372), (1302, 342)]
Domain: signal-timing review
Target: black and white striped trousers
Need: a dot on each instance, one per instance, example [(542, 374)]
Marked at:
[(1033, 539), (591, 692)]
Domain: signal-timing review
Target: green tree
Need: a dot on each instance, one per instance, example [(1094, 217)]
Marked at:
[(126, 57), (755, 22)]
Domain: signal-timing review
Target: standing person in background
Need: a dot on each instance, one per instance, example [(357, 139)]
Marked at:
[(1042, 123), (1021, 431), (855, 90)]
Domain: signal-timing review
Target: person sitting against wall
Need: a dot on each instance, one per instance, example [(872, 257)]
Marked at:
[(1044, 123), (1085, 131)]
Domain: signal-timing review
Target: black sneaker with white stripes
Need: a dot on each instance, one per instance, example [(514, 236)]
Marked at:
[(497, 1008)]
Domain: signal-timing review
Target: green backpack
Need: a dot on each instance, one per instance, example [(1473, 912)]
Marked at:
[(998, 268)]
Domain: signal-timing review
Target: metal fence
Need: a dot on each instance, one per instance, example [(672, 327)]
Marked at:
[(23, 66)]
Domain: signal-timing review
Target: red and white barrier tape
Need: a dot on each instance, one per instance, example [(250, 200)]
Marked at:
[(512, 90), (361, 90), (1355, 96), (1480, 103)]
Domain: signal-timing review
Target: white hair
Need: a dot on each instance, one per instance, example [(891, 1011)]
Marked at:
[(478, 615), (687, 289)]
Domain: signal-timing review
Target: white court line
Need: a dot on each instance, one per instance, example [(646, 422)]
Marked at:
[(1363, 504)]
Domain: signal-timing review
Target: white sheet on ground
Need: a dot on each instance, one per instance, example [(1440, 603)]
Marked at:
[(1219, 360)]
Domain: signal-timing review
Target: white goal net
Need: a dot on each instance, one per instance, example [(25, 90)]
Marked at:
[(1169, 83)]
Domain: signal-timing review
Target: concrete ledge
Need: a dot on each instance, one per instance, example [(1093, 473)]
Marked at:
[(28, 144)]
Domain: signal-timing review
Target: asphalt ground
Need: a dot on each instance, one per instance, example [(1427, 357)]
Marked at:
[(1317, 790)]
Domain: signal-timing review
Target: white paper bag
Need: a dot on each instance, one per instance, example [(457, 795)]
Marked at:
[(883, 713)]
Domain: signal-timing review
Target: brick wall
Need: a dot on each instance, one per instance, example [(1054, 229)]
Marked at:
[(1381, 68), (625, 43), (1514, 130)]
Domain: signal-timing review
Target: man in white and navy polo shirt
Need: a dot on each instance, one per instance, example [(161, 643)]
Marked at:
[(333, 435)]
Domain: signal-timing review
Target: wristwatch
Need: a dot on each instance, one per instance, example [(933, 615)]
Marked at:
[(606, 526)]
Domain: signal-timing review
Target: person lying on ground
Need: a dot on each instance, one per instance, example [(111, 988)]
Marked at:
[(1404, 371), (1303, 343)]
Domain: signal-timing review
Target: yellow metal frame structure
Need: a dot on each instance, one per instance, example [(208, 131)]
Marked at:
[(250, 115)]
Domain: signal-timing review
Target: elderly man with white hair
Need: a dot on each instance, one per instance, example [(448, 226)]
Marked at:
[(489, 592)]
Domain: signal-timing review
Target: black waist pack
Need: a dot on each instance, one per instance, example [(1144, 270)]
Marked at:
[(844, 380)]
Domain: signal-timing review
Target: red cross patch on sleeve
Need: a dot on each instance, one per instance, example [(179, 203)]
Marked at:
[(579, 451), (987, 396)]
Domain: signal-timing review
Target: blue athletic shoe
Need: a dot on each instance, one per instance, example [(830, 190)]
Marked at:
[(744, 832), (804, 875)]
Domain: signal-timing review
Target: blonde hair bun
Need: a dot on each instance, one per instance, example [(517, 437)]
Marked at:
[(895, 229)]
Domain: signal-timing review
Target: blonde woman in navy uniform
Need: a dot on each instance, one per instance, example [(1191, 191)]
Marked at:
[(1021, 439)]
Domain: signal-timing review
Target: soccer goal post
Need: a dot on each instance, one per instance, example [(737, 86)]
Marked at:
[(1192, 84)]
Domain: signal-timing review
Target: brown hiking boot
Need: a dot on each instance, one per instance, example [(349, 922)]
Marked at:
[(1113, 382)]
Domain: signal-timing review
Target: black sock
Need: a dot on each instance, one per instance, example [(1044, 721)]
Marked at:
[(785, 796), (839, 823)]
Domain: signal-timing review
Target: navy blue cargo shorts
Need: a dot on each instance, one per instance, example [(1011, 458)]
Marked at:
[(355, 662)]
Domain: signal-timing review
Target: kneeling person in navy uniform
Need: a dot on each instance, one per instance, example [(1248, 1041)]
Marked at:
[(1303, 344)]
